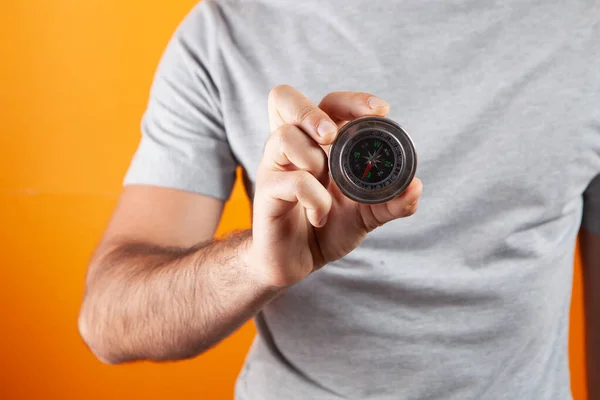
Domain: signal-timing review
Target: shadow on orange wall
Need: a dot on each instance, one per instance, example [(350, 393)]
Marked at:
[(75, 77)]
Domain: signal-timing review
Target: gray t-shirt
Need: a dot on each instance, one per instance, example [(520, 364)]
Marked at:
[(467, 299)]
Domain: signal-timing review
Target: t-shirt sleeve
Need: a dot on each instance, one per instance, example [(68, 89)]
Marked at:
[(183, 142), (591, 206)]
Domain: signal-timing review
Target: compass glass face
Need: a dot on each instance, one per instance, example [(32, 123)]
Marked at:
[(372, 161)]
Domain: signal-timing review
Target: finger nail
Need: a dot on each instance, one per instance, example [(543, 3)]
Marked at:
[(326, 128), (413, 203), (376, 102)]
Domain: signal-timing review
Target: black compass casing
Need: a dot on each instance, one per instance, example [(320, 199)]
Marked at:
[(372, 160)]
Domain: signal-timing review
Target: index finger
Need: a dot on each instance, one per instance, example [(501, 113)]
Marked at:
[(288, 106), (347, 106)]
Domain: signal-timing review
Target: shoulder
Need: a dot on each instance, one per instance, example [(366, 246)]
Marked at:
[(212, 25)]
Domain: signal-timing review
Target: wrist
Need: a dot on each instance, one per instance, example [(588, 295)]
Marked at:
[(253, 267), (257, 268)]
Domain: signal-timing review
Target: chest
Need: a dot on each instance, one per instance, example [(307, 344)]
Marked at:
[(501, 103)]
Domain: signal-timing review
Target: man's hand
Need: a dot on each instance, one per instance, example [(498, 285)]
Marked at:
[(301, 220)]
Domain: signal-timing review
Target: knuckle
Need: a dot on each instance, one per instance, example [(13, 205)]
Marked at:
[(277, 91), (281, 135), (363, 97), (301, 180), (286, 133), (419, 188), (367, 223), (285, 138), (263, 179), (277, 182), (273, 138), (331, 96), (305, 112), (272, 141), (359, 100), (411, 209)]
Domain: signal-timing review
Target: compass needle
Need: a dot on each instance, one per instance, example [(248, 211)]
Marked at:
[(366, 170)]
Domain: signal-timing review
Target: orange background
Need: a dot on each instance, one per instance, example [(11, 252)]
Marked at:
[(74, 82)]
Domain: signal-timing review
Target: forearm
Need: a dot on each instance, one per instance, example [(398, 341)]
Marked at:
[(590, 252), (146, 302)]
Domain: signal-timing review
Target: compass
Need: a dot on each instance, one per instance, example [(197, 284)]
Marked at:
[(372, 160)]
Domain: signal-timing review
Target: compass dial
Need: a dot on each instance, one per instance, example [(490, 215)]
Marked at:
[(372, 160)]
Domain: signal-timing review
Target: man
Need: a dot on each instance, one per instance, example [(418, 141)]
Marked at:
[(466, 299)]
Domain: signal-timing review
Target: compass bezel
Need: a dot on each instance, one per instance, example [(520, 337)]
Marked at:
[(360, 129)]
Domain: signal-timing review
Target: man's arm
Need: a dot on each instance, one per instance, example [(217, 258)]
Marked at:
[(590, 255), (159, 287), (154, 293)]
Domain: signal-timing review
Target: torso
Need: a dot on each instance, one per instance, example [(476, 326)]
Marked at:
[(469, 298)]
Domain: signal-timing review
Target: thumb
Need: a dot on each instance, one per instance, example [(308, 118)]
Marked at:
[(402, 206)]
